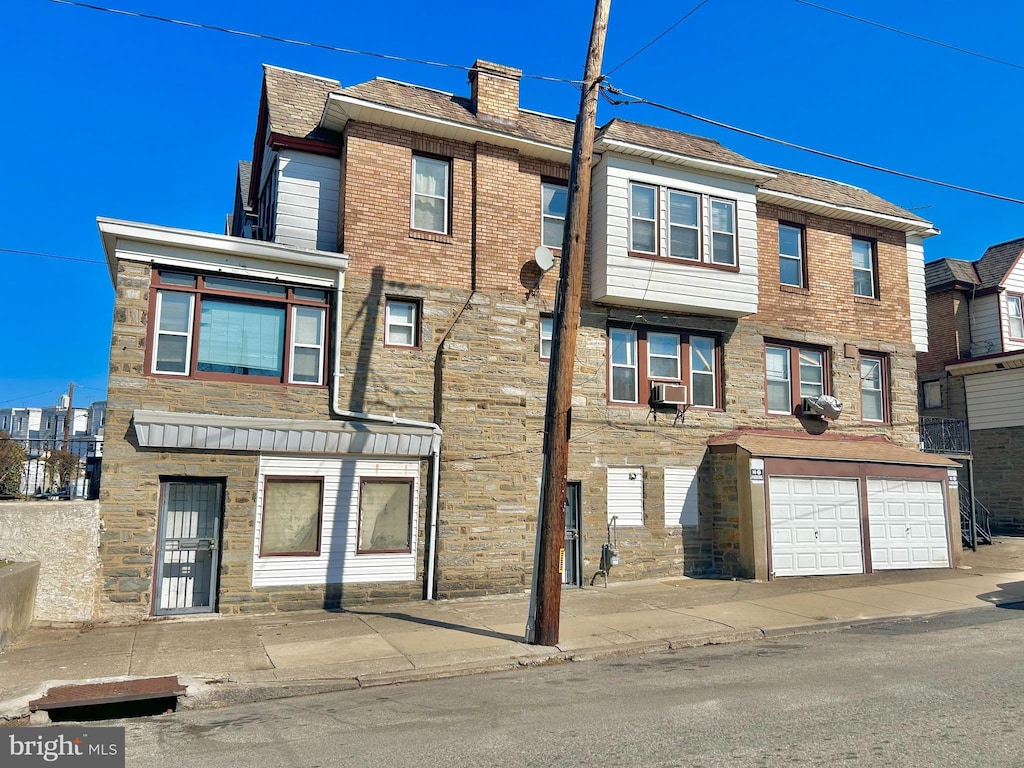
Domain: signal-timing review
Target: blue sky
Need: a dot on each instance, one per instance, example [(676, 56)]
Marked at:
[(107, 115)]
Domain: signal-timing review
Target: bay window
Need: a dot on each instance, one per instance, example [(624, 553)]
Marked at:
[(677, 225)]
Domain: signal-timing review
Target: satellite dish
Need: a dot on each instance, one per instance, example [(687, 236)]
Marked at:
[(543, 258)]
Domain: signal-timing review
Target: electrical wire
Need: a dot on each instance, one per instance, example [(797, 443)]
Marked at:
[(679, 21), (629, 99), (905, 33), (50, 256), (287, 40)]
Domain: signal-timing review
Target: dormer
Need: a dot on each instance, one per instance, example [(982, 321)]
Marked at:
[(674, 222)]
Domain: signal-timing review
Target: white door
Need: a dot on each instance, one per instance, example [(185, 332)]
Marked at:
[(815, 526), (908, 524)]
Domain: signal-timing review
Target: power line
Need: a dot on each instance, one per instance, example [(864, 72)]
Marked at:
[(905, 33), (652, 42), (286, 40), (630, 99), (50, 256)]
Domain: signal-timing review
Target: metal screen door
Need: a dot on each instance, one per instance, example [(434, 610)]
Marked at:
[(190, 513), (572, 568)]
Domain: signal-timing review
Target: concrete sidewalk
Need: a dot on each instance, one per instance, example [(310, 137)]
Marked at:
[(232, 659)]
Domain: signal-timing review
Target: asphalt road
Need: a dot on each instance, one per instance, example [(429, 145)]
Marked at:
[(940, 692)]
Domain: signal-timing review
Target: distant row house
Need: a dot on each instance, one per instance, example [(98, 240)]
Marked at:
[(342, 399)]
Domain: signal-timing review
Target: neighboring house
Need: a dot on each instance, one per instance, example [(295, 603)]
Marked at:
[(974, 369), (350, 405)]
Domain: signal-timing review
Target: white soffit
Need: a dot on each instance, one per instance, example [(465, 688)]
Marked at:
[(848, 213), (989, 364), (207, 432)]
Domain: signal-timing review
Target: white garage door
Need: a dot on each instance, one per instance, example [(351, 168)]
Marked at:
[(815, 526), (908, 524)]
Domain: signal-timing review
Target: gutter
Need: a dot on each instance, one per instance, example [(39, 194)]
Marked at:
[(435, 447)]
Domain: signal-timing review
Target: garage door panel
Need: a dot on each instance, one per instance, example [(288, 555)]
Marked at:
[(815, 526), (908, 524)]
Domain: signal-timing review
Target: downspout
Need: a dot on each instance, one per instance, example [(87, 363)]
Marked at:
[(435, 444)]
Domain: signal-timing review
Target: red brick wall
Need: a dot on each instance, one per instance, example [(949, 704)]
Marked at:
[(949, 333)]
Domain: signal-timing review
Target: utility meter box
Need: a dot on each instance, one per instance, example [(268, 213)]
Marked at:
[(609, 557)]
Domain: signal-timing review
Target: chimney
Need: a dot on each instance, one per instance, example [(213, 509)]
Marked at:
[(495, 91)]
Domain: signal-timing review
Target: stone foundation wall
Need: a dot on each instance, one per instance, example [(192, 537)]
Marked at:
[(997, 476)]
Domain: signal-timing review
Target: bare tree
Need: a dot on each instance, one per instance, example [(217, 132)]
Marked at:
[(63, 466), (12, 465)]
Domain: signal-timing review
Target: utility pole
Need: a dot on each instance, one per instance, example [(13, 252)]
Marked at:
[(546, 595), (67, 415)]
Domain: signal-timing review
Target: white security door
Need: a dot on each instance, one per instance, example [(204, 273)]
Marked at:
[(908, 524), (815, 526)]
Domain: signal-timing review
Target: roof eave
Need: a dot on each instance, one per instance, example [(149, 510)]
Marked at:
[(605, 144), (1000, 361), (918, 227), (341, 108)]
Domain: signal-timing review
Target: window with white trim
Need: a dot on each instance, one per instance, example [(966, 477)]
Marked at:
[(791, 374), (1015, 316), (640, 358), (873, 401), (219, 327), (865, 269), (553, 201), (401, 323), (546, 328), (679, 225), (431, 190)]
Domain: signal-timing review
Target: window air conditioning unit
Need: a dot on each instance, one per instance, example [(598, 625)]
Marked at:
[(822, 406), (668, 394)]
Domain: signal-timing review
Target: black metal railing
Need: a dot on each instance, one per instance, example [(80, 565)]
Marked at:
[(49, 468), (982, 522), (944, 435)]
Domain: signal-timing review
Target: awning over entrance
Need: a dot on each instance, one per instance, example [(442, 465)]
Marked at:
[(207, 432), (873, 449)]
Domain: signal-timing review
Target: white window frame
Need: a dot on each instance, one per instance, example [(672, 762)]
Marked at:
[(731, 234), (446, 197), (319, 346), (633, 346), (788, 379), (157, 333), (693, 227), (390, 321), (872, 269), (877, 361), (545, 331), (1015, 316), (655, 221), (798, 258), (713, 373), (545, 216), (819, 385), (677, 357)]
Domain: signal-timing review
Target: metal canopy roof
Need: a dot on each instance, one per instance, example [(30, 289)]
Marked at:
[(206, 432)]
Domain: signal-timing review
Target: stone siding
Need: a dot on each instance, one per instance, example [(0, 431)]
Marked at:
[(997, 476)]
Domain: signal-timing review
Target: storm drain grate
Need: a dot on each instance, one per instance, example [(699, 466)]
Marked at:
[(109, 697)]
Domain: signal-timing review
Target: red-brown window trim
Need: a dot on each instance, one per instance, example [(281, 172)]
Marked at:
[(884, 361), (198, 290), (412, 502), (875, 277), (644, 381), (429, 234), (417, 328), (320, 514), (804, 286), (796, 400), (555, 182)]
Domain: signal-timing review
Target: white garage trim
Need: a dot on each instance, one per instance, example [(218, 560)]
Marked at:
[(908, 524), (815, 526)]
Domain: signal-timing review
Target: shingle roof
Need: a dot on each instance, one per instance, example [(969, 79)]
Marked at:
[(947, 271), (834, 192), (444, 106), (674, 141), (295, 102), (244, 180), (997, 261), (828, 447)]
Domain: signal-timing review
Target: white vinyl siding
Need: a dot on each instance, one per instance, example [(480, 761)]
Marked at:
[(675, 285), (337, 561), (307, 201), (626, 495), (996, 399), (918, 300), (681, 497)]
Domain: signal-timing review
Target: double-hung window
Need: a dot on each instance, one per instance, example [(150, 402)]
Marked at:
[(546, 329), (791, 374), (865, 268), (553, 200), (1015, 316), (212, 326), (641, 358), (791, 255), (674, 224), (431, 188), (401, 323), (873, 400)]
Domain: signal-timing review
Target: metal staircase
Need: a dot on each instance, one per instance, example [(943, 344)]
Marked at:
[(982, 530)]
